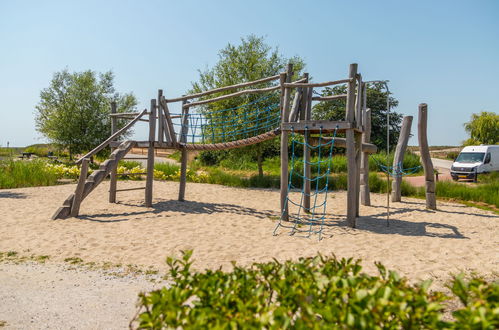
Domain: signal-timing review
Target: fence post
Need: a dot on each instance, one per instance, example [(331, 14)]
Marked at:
[(114, 170)]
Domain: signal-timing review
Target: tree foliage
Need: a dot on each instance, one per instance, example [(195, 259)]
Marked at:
[(251, 60), (73, 111), (483, 128), (376, 101)]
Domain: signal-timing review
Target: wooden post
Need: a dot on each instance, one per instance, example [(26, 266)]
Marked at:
[(350, 149), (78, 196), (431, 202), (365, 197), (398, 159), (183, 161), (285, 96), (306, 114), (150, 154), (161, 136), (114, 171)]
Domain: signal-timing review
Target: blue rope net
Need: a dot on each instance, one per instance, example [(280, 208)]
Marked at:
[(208, 125), (396, 171), (309, 220)]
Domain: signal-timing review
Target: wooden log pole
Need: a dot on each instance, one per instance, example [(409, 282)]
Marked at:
[(150, 155), (112, 176), (184, 153), (405, 133), (285, 94), (350, 149), (431, 201), (306, 114), (161, 128), (365, 196), (78, 196)]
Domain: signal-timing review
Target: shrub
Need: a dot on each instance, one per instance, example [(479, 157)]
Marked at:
[(319, 292)]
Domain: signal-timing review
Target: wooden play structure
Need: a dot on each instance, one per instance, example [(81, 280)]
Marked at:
[(283, 107)]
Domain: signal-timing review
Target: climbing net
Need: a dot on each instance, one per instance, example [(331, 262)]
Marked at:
[(230, 124), (308, 219)]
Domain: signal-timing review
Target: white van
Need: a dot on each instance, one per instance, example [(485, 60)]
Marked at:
[(474, 160)]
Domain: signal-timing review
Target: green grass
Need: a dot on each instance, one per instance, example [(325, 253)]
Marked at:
[(18, 174), (129, 164)]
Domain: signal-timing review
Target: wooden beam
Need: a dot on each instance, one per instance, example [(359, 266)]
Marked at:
[(221, 89), (350, 149), (184, 153), (112, 176), (161, 136), (365, 196), (228, 96), (112, 137), (306, 115), (295, 108), (150, 156), (329, 98), (322, 84), (431, 201), (169, 122), (78, 196), (316, 126), (285, 92), (398, 159)]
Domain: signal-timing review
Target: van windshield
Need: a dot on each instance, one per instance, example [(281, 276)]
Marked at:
[(470, 157)]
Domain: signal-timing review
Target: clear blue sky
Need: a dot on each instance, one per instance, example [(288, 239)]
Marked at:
[(444, 53)]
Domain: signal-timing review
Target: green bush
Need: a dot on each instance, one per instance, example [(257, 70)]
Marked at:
[(486, 192), (130, 164), (312, 293), (40, 151), (18, 174)]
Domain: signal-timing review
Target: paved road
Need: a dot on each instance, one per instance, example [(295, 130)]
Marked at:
[(442, 163), (137, 157)]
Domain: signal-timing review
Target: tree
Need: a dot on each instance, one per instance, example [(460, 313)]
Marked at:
[(73, 111), (251, 60), (376, 101), (483, 128)]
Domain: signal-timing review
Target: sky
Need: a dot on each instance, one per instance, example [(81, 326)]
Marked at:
[(443, 53)]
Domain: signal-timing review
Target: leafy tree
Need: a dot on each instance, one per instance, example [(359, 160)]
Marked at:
[(483, 128), (73, 111), (252, 59), (376, 101)]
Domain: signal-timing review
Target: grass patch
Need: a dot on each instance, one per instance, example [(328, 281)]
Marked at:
[(18, 174), (73, 260)]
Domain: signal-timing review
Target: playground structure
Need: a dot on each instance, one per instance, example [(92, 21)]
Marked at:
[(283, 108)]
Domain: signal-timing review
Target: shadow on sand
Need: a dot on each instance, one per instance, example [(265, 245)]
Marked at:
[(10, 194)]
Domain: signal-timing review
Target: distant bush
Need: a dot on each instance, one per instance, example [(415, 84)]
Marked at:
[(452, 155), (312, 293)]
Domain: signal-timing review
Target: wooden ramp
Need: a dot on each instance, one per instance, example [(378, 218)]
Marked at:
[(85, 187)]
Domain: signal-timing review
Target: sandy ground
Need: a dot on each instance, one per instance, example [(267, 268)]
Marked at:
[(223, 224), (55, 296)]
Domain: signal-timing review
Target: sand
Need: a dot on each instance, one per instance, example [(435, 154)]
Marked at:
[(223, 224)]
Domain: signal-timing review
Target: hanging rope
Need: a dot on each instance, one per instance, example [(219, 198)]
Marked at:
[(312, 217)]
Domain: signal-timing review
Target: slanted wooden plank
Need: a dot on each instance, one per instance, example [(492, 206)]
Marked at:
[(75, 208), (168, 117)]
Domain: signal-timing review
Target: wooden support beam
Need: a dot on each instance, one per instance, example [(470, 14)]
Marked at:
[(130, 189), (341, 143), (398, 159), (365, 196), (322, 84), (431, 201), (161, 136), (228, 96), (306, 114), (112, 176), (314, 126), (169, 123), (221, 89), (329, 98), (352, 190), (295, 108), (184, 154), (150, 156), (285, 92), (78, 196)]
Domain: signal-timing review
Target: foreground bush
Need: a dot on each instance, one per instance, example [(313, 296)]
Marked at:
[(18, 174), (320, 292)]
